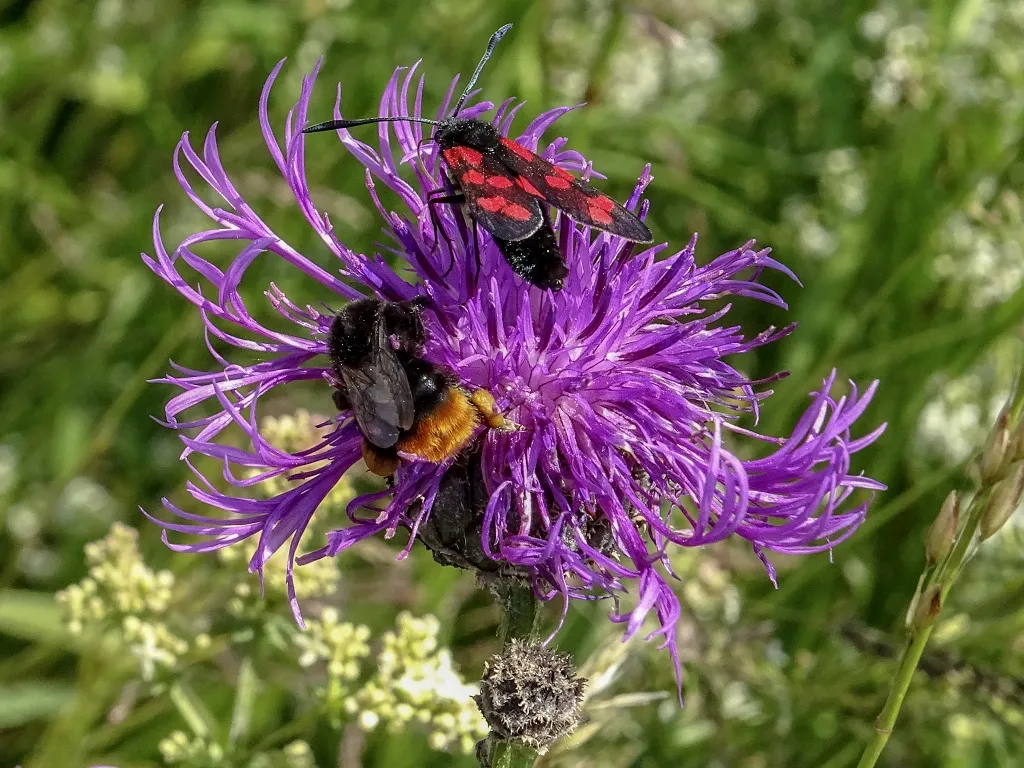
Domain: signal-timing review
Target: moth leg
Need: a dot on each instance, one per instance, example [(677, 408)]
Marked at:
[(476, 250), (441, 197)]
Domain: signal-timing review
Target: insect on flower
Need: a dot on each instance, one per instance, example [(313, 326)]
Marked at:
[(505, 186), (401, 402), (637, 429)]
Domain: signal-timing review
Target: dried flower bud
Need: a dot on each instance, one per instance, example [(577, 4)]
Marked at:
[(1003, 503), (1016, 450), (928, 607), (996, 457), (530, 694), (942, 533), (452, 532)]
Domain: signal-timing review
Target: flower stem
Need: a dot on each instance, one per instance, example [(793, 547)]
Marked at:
[(920, 631), (999, 465), (885, 721), (191, 708), (511, 754), (519, 615)]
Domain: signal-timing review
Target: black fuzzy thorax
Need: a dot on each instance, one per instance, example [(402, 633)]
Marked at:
[(354, 330), (462, 132)]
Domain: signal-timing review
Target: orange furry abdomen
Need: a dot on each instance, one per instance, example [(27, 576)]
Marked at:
[(445, 430)]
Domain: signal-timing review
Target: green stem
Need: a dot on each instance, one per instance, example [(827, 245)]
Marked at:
[(192, 709), (897, 692), (937, 580), (511, 754), (918, 637), (519, 615), (245, 702)]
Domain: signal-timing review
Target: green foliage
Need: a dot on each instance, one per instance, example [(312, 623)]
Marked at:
[(874, 146)]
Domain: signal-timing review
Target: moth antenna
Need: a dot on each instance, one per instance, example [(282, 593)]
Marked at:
[(487, 54), (334, 125)]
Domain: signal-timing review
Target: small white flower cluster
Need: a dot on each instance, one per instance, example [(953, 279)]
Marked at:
[(297, 754), (299, 432), (976, 59), (668, 51), (341, 647), (181, 749), (414, 682), (955, 421), (982, 245), (842, 196), (123, 597), (318, 579)]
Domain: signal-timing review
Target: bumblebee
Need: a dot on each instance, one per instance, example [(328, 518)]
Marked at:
[(401, 402)]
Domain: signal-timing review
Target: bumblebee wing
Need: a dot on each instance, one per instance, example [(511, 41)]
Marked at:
[(580, 201), (494, 198), (379, 393)]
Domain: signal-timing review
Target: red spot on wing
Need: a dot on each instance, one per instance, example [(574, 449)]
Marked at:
[(528, 187), (558, 181), (517, 212), (500, 182), (598, 214), (462, 156), (602, 202), (491, 204), (564, 174), (494, 204), (518, 149), (473, 177)]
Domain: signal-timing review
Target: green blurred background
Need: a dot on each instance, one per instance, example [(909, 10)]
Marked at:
[(875, 147)]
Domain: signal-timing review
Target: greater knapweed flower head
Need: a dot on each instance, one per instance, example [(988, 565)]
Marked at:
[(622, 385)]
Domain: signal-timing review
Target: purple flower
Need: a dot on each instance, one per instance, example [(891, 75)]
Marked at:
[(626, 404)]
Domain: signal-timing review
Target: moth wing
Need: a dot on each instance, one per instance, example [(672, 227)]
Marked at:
[(575, 197), (494, 198)]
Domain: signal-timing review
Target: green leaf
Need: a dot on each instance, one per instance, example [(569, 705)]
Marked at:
[(33, 616), (23, 702), (245, 698)]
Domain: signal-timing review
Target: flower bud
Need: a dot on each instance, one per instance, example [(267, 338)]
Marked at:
[(996, 457), (942, 533), (530, 694), (1003, 503), (1016, 450), (928, 607)]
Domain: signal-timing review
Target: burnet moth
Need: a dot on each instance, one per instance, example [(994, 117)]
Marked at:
[(504, 187)]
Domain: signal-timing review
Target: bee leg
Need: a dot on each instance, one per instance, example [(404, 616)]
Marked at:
[(484, 402), (476, 250), (341, 400)]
